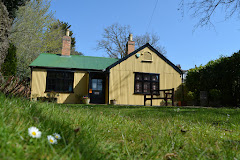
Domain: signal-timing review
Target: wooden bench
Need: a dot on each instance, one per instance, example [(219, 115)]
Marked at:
[(156, 94)]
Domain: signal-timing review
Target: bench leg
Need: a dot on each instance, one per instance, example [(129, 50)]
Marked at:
[(173, 97), (151, 99)]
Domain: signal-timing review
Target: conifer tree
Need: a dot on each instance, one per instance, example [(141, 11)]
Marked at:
[(9, 67)]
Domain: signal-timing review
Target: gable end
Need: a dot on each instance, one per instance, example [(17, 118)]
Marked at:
[(152, 49)]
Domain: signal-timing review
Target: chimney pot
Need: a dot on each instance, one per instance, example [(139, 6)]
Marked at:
[(67, 32), (130, 37), (130, 44)]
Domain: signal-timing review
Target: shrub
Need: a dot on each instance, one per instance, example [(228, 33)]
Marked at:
[(9, 67), (220, 78)]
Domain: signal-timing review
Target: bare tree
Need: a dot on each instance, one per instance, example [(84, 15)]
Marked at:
[(152, 39), (205, 9), (115, 38)]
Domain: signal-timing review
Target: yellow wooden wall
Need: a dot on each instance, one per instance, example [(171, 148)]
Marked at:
[(121, 82), (80, 86)]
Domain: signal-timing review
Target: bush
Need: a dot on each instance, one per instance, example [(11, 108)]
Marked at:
[(190, 96), (184, 95), (220, 78), (9, 67), (214, 94)]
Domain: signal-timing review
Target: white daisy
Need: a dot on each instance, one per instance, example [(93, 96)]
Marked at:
[(57, 136), (51, 139), (178, 109), (34, 132)]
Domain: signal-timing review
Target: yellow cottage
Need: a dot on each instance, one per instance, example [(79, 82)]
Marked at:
[(103, 79)]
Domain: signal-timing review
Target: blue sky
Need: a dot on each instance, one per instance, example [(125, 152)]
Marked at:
[(89, 18)]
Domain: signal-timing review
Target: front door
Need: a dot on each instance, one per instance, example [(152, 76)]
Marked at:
[(97, 88)]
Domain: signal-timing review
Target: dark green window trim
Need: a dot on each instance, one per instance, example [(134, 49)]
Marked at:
[(59, 81), (145, 82)]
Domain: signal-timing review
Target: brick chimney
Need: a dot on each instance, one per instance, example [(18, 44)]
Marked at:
[(130, 44), (66, 44)]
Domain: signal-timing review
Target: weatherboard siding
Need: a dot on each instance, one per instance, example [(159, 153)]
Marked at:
[(80, 86), (121, 83), (38, 84)]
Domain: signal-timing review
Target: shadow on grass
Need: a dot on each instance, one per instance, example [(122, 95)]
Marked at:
[(87, 145), (84, 145)]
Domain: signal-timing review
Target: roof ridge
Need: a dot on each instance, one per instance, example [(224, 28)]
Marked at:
[(74, 61), (96, 57), (81, 55)]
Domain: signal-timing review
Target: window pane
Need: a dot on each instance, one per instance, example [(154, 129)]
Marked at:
[(138, 76), (51, 87), (58, 75), (67, 75), (154, 86), (138, 87), (154, 77), (146, 77), (99, 84), (51, 75), (94, 84), (146, 87), (70, 87)]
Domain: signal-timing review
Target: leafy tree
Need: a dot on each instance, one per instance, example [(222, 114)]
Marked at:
[(7, 13), (115, 38), (205, 9), (74, 52), (64, 26), (9, 66), (5, 23), (12, 6), (53, 37), (27, 32), (34, 30)]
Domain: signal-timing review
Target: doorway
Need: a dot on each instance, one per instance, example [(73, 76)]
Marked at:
[(97, 87)]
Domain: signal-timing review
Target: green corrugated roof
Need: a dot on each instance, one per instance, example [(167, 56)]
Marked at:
[(73, 61)]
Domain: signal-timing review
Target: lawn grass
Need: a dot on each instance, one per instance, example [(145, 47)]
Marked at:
[(117, 132)]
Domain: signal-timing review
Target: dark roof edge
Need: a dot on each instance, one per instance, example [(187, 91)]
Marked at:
[(151, 48), (87, 70), (126, 57)]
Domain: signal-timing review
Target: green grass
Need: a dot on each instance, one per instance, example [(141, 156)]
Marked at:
[(117, 132)]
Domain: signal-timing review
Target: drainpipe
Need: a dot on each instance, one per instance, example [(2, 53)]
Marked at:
[(107, 71), (88, 84), (182, 89)]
